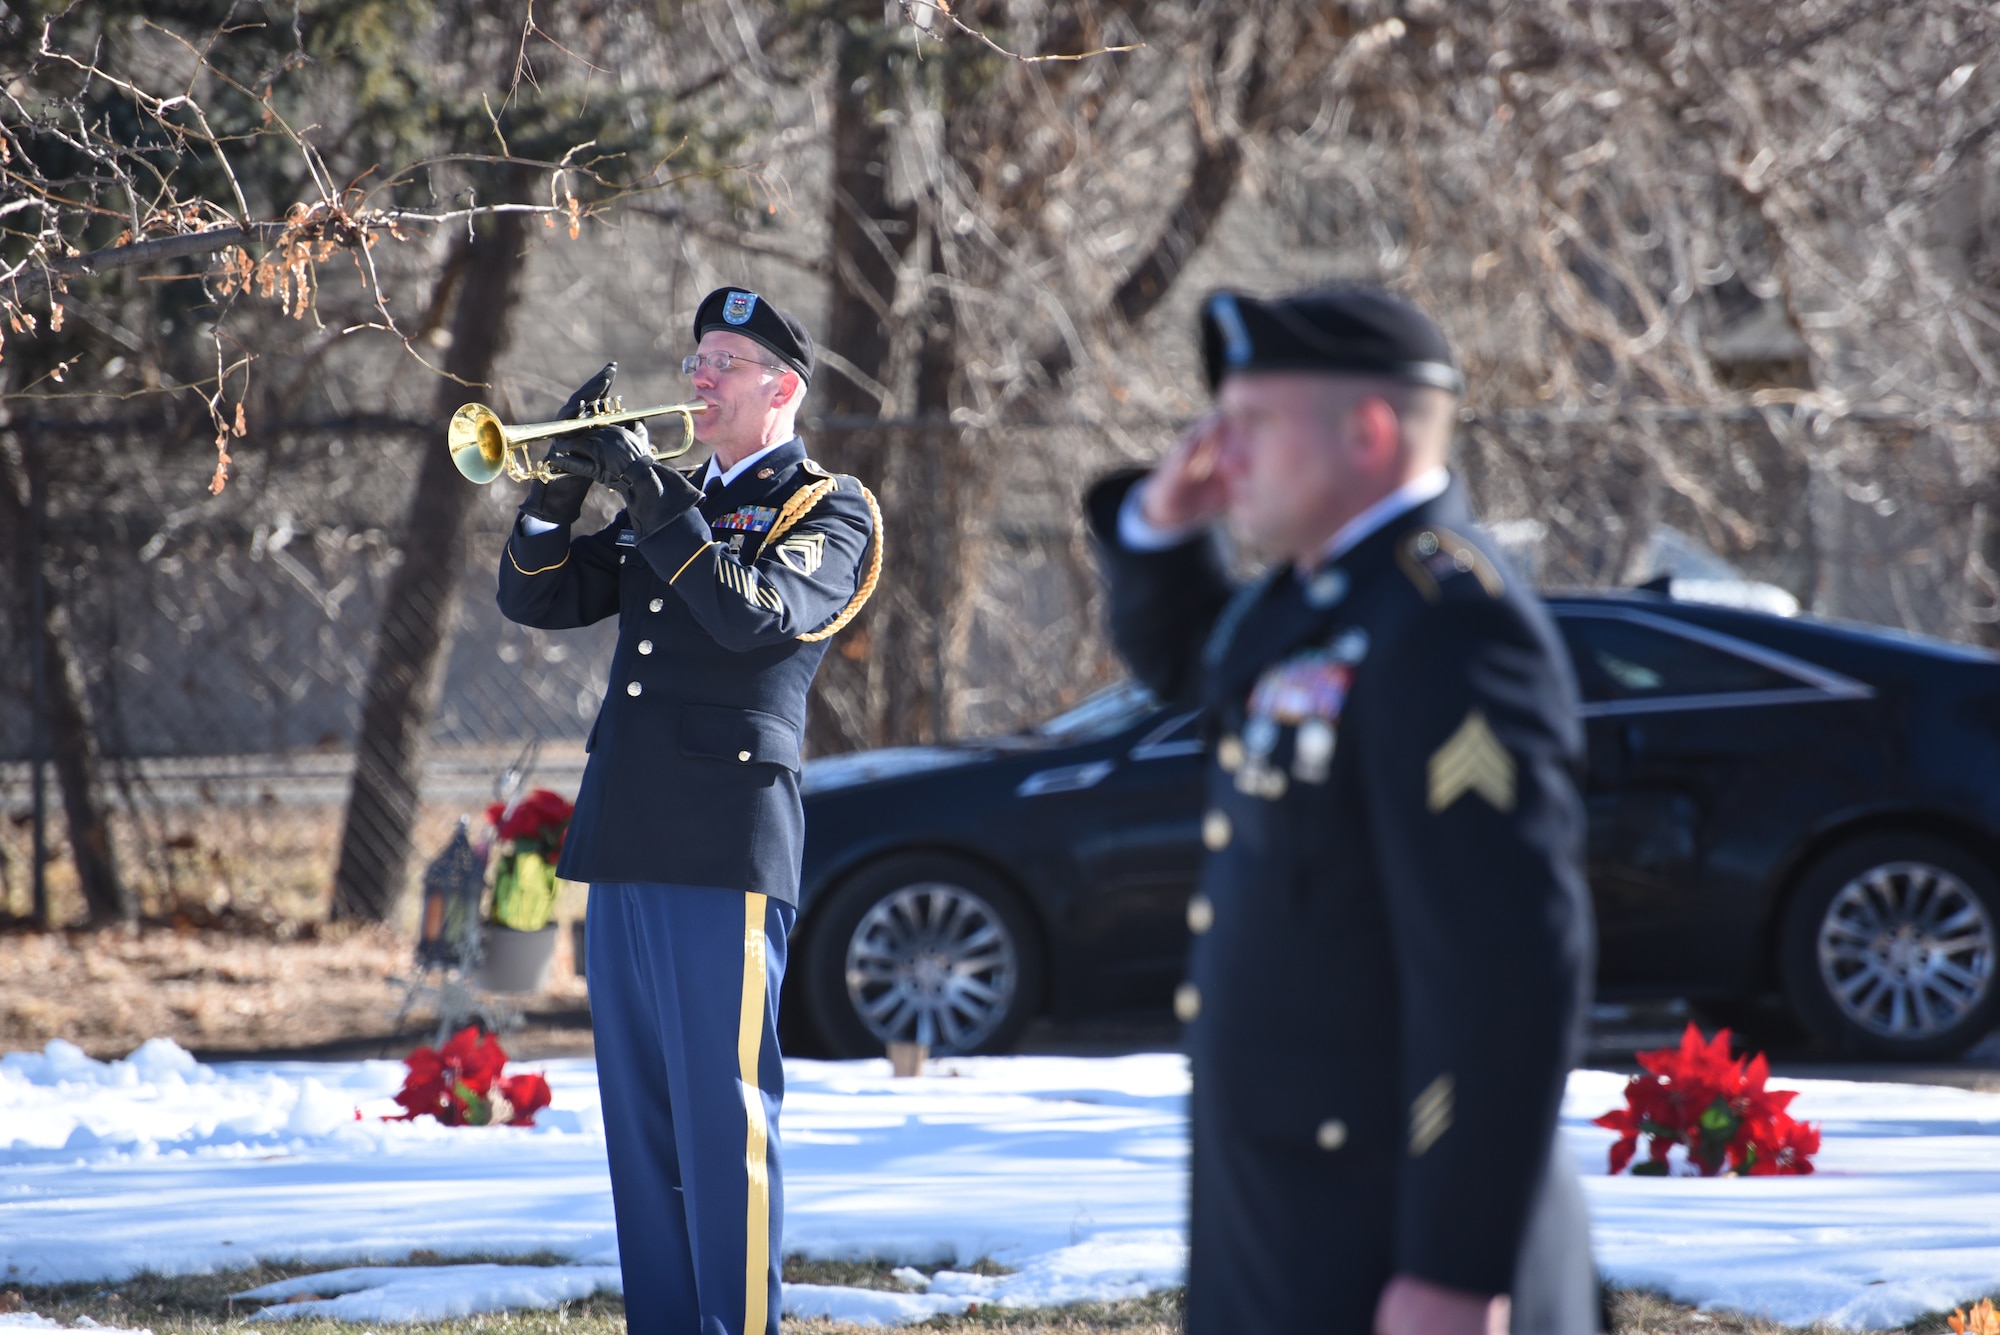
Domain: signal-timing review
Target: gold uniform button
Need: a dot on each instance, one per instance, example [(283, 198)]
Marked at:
[(745, 755), (1332, 1134), (1229, 754), (656, 604), (645, 646), (1215, 831), (633, 688), (1200, 914), (1187, 1003)]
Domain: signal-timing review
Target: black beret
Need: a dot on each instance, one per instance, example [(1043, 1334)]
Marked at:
[(741, 311), (1342, 330)]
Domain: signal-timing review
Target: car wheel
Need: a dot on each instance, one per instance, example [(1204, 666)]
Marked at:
[(1888, 948), (922, 949)]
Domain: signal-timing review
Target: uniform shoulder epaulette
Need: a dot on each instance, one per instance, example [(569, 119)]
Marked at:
[(813, 466), (1432, 555)]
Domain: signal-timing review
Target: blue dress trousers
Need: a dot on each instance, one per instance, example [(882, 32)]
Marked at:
[(689, 830), (684, 985)]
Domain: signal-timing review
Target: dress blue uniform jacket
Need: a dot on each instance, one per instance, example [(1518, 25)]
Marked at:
[(1394, 938), (695, 754)]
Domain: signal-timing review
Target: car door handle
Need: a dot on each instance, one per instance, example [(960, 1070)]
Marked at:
[(1065, 779)]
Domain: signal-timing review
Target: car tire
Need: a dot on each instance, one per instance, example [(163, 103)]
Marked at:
[(922, 948), (1888, 948)]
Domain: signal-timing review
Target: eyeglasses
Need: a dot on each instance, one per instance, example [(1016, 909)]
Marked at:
[(720, 362)]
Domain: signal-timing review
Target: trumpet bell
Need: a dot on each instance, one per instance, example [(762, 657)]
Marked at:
[(478, 443)]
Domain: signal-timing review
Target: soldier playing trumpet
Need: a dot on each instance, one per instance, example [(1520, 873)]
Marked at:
[(727, 583)]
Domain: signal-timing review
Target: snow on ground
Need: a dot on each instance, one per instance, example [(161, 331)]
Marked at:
[(1071, 1171)]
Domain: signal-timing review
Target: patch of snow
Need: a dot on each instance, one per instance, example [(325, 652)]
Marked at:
[(430, 1292), (1071, 1171), (1900, 1218)]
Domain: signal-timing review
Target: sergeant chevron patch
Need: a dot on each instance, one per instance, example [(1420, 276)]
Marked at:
[(1472, 760), (803, 552), (1430, 1115)]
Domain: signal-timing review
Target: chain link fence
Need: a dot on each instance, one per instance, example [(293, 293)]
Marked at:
[(224, 649), (225, 646)]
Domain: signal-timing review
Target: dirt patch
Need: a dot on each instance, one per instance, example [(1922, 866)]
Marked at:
[(225, 995)]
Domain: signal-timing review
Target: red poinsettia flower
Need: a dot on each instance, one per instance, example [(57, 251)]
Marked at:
[(428, 1089), (457, 1084), (1716, 1107), (476, 1057), (541, 817), (526, 1095)]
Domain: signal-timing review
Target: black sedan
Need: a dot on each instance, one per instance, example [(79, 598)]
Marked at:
[(1779, 807)]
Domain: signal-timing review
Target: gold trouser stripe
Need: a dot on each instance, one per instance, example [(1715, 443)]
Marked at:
[(749, 1042), (690, 561), (517, 565)]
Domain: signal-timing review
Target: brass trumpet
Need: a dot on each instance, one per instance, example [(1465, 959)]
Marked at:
[(484, 447)]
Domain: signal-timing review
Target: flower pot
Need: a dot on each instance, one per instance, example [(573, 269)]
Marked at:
[(516, 961)]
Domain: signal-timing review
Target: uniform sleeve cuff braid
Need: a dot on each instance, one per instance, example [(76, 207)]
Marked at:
[(532, 553), (674, 545)]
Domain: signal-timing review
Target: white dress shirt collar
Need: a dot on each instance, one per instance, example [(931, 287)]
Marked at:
[(741, 466), (1423, 487)]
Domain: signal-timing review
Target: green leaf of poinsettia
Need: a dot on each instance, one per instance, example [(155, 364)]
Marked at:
[(478, 1112)]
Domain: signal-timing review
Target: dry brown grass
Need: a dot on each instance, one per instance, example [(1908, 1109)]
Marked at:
[(200, 1305), (216, 992), (266, 865)]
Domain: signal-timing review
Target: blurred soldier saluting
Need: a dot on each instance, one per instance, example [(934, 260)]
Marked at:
[(1392, 937), (727, 584)]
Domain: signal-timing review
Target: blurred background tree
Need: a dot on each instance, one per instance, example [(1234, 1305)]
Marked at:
[(1721, 278)]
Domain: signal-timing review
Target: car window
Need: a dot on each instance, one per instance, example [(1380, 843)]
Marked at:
[(1620, 660), (1105, 714)]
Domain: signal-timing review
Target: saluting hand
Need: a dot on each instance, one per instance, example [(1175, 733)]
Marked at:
[(1185, 490)]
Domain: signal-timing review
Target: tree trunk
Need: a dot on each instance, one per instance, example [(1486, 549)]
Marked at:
[(72, 733), (414, 634), (850, 704), (935, 473), (73, 747), (889, 681)]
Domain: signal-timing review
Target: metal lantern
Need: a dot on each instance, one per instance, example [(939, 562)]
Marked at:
[(453, 883)]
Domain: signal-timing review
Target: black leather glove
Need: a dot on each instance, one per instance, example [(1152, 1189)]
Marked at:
[(620, 457), (561, 501), (604, 455)]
